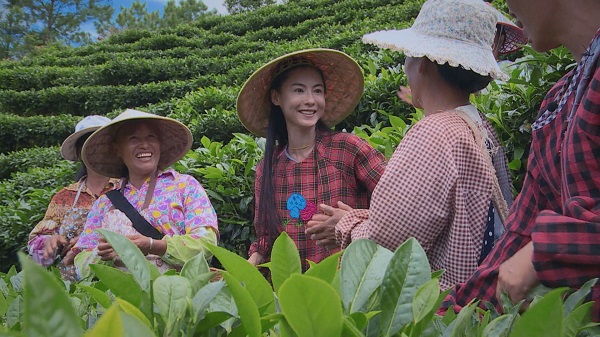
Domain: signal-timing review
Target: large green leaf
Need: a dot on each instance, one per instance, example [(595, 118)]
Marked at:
[(577, 297), (362, 269), (48, 309), (407, 271), (15, 311), (133, 311), (576, 319), (499, 327), (247, 308), (311, 306), (195, 266), (120, 283), (3, 305), (110, 324), (204, 296), (131, 256), (326, 269), (256, 284), (100, 296), (543, 319), (132, 326), (171, 296), (425, 300), (285, 260)]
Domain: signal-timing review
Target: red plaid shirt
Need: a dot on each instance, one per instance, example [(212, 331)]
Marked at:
[(559, 206), (437, 188), (342, 167)]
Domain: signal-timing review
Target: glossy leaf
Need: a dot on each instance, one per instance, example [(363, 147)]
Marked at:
[(246, 307), (48, 309), (256, 284), (577, 297), (133, 326), (204, 296), (195, 266), (100, 296), (3, 305), (131, 256), (133, 311), (110, 324), (171, 297), (326, 269), (407, 271), (285, 260), (499, 327), (576, 319), (543, 319), (120, 283), (311, 306), (362, 270), (425, 300)]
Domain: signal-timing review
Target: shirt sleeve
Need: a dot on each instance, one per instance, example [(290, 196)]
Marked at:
[(412, 198), (369, 165), (200, 225), (47, 227)]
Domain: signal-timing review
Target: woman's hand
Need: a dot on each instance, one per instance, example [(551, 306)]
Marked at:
[(256, 259), (53, 244), (516, 276), (321, 227), (105, 251), (144, 243)]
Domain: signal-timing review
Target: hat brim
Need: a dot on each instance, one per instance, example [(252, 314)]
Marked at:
[(344, 85), (439, 50), (67, 149), (98, 151)]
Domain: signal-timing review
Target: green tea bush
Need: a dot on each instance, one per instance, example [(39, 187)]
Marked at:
[(18, 132), (369, 291), (19, 161)]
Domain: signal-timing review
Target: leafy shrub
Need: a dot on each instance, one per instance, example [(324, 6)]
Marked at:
[(23, 160), (18, 132), (370, 292)]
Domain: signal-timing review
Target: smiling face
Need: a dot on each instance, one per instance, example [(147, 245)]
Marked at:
[(138, 145), (301, 97)]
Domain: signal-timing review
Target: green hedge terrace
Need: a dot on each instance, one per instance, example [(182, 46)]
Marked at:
[(39, 86)]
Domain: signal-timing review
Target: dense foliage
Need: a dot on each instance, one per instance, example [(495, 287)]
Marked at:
[(370, 291)]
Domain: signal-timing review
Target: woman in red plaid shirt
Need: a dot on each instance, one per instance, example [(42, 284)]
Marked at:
[(293, 101), (553, 228)]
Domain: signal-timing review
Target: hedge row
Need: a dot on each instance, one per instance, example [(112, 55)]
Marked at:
[(23, 160), (17, 132)]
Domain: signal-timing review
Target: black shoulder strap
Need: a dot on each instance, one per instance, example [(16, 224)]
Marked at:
[(138, 221)]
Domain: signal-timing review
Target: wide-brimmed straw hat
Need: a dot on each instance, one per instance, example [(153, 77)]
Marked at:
[(87, 125), (344, 84), (98, 151), (457, 32), (514, 38)]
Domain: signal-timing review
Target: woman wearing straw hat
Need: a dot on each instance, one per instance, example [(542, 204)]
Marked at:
[(53, 237), (166, 214), (293, 101), (440, 186)]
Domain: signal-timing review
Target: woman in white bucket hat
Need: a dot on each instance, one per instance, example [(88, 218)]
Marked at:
[(440, 185), (170, 217), (52, 238)]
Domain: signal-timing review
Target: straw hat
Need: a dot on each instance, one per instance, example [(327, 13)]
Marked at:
[(344, 84), (98, 154), (514, 37), (457, 32), (87, 125)]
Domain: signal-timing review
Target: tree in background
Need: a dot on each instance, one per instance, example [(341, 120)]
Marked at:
[(138, 17), (14, 27), (239, 6), (61, 20)]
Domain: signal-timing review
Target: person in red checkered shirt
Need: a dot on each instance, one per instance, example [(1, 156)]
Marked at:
[(294, 101), (553, 228)]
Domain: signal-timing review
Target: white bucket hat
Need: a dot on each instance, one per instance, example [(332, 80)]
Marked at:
[(344, 85), (87, 125), (457, 32), (98, 155)]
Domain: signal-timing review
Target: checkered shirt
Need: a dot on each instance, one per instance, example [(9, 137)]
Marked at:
[(437, 188), (342, 167), (559, 206)]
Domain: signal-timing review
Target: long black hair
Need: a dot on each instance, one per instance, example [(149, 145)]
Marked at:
[(82, 169), (268, 222)]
